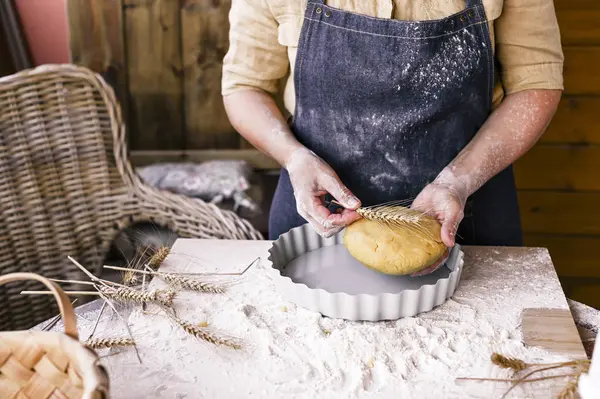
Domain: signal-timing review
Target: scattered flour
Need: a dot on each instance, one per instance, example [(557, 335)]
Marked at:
[(292, 352)]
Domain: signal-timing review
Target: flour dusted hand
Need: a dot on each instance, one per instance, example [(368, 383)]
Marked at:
[(311, 180), (445, 200)]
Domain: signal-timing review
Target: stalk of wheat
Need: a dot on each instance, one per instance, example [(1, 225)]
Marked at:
[(99, 343), (159, 257), (191, 284), (159, 297), (206, 335), (397, 215), (518, 365)]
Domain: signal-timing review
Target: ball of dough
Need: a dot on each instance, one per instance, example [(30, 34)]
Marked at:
[(394, 250)]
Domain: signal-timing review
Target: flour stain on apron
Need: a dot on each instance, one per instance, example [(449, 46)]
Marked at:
[(388, 104)]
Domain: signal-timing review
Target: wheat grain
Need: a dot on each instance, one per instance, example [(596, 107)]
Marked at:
[(191, 284), (159, 297), (508, 362), (158, 258), (398, 216), (570, 390), (580, 364), (99, 343), (130, 278), (204, 334)]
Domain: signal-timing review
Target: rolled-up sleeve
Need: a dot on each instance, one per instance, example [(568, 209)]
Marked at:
[(255, 59), (528, 46)]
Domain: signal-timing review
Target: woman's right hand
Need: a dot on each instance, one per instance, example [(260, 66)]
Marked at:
[(311, 180), (256, 116)]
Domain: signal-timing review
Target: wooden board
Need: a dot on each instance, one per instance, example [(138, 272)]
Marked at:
[(576, 121), (553, 330), (559, 167), (6, 66), (573, 256), (96, 42), (579, 26), (559, 212), (205, 40), (152, 32), (560, 5), (585, 290), (581, 69)]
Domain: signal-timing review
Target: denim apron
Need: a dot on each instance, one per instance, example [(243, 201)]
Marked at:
[(388, 104)]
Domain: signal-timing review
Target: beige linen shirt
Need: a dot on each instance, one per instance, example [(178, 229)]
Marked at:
[(264, 37)]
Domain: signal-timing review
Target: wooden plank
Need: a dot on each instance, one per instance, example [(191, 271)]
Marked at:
[(96, 42), (256, 159), (205, 40), (583, 290), (573, 256), (579, 26), (559, 167), (6, 66), (576, 121), (547, 212), (155, 83), (553, 330), (560, 5), (581, 69)]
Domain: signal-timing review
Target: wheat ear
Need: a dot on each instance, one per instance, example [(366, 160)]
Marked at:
[(570, 390), (508, 362), (397, 216), (159, 297), (130, 278), (99, 343), (575, 363), (204, 334), (191, 284), (159, 257)]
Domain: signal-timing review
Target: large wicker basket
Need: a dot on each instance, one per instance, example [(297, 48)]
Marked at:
[(67, 187), (41, 365)]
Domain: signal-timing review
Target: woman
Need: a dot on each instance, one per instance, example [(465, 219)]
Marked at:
[(395, 99)]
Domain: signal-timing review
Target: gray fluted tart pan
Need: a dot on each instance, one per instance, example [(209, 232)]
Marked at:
[(319, 274)]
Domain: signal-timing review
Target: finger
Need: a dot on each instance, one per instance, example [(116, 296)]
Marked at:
[(434, 267), (341, 193), (306, 210), (331, 232), (343, 219), (452, 217)]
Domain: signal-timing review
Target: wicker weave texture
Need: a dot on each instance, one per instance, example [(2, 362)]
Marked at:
[(42, 365), (67, 187)]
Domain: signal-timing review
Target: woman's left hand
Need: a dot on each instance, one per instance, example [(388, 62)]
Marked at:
[(446, 202)]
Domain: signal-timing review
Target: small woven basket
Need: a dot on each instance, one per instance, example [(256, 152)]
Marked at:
[(40, 364)]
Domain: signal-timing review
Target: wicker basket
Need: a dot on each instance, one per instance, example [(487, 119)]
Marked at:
[(40, 365), (67, 187)]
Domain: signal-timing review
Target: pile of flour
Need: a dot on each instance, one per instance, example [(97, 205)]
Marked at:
[(292, 352)]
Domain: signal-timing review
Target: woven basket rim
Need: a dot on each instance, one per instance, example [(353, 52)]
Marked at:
[(64, 345)]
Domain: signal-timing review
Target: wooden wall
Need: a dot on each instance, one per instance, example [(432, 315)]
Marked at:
[(164, 59), (559, 180), (6, 65)]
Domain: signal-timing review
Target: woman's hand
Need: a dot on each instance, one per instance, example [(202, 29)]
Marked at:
[(444, 202), (312, 179), (444, 199)]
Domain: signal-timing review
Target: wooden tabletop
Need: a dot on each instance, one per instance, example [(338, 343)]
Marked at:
[(515, 290)]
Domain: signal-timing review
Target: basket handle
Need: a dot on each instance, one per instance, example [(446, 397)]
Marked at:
[(66, 308)]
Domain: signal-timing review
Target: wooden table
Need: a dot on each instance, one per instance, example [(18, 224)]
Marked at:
[(282, 337)]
